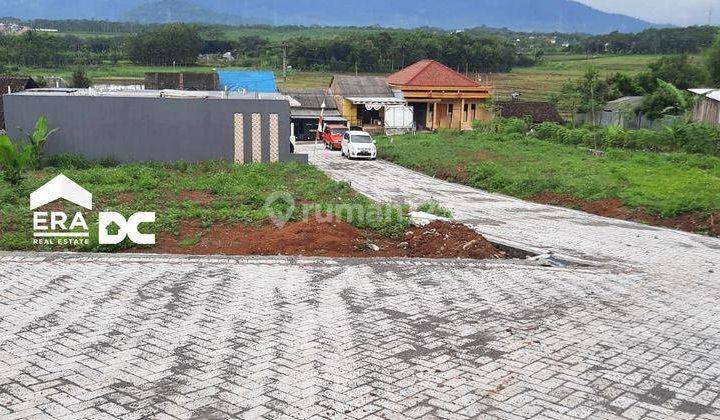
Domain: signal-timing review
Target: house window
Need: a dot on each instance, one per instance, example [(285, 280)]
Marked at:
[(473, 113), (465, 112), (450, 109)]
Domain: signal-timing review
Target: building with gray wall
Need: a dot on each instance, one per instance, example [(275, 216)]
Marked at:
[(161, 126)]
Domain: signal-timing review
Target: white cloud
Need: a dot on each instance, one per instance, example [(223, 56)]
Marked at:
[(677, 12)]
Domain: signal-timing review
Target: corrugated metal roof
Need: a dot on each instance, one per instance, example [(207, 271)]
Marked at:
[(713, 94), (625, 101), (312, 98), (328, 115), (347, 85)]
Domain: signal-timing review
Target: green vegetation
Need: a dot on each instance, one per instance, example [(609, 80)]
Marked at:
[(678, 137), (713, 61), (80, 79), (366, 51), (688, 40), (16, 158), (523, 166), (235, 194), (163, 45), (663, 87), (434, 207), (548, 77)]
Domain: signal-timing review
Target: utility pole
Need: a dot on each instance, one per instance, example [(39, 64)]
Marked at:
[(284, 66), (356, 72)]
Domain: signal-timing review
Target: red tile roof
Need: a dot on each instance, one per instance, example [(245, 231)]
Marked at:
[(430, 73)]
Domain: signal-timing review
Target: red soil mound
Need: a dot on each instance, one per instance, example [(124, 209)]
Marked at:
[(323, 236)]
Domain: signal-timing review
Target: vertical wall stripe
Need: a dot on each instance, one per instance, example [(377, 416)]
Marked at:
[(239, 138), (256, 137), (274, 138)]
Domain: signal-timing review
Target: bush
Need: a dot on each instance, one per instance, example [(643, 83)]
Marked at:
[(434, 207), (502, 126), (681, 136), (16, 159), (80, 80)]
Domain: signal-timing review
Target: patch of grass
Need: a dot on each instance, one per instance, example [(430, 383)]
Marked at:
[(434, 207), (666, 184), (190, 241), (239, 193)]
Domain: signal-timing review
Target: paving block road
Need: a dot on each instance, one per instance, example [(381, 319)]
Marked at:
[(632, 330), (161, 337)]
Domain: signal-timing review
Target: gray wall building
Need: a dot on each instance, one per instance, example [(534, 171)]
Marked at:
[(161, 126)]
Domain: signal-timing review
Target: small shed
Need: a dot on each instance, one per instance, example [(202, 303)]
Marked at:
[(248, 81), (537, 112), (306, 108), (182, 81), (362, 99), (12, 84), (623, 112), (707, 106)]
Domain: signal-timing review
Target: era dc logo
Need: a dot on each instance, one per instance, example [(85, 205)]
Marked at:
[(52, 228), (126, 228)]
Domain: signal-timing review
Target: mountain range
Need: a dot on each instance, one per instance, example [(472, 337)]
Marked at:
[(518, 15)]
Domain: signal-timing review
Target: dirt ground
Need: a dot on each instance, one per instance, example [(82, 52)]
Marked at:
[(322, 236), (689, 222)]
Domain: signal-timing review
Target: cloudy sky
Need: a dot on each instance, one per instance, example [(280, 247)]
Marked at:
[(678, 12)]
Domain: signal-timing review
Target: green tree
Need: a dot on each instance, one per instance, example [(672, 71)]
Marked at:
[(713, 62), (680, 71), (165, 45), (666, 100)]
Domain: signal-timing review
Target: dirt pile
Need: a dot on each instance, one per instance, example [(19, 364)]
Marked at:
[(614, 208), (448, 240), (326, 237)]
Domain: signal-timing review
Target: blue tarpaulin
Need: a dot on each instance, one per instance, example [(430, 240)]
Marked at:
[(251, 81)]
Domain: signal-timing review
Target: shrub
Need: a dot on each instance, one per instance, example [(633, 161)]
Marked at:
[(680, 136), (502, 126), (80, 80), (15, 159), (434, 207)]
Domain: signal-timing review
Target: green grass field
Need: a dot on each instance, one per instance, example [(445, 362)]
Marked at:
[(521, 166), (537, 82), (239, 194)]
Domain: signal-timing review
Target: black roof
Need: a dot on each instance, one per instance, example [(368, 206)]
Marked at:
[(13, 84), (539, 112)]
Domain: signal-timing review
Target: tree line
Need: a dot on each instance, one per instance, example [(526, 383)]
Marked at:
[(688, 40), (381, 51)]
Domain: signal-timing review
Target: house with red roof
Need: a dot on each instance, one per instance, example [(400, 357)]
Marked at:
[(440, 96)]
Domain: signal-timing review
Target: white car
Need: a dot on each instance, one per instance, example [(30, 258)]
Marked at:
[(358, 144)]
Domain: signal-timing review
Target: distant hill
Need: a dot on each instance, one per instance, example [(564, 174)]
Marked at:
[(169, 11), (518, 15)]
